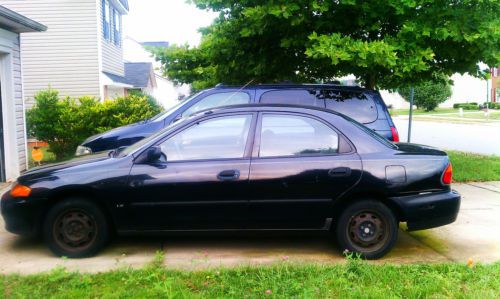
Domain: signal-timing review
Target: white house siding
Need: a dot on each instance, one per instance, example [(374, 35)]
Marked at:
[(12, 105), (112, 55), (64, 57)]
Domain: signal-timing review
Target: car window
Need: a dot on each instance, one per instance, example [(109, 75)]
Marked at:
[(217, 138), (292, 96), (217, 100), (357, 105), (289, 135)]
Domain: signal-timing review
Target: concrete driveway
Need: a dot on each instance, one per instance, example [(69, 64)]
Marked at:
[(474, 235)]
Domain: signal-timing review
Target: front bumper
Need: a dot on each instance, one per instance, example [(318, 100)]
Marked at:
[(423, 211), (21, 215)]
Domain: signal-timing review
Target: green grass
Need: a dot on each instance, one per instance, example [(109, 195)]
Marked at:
[(355, 279), (469, 167), (494, 115), (397, 112)]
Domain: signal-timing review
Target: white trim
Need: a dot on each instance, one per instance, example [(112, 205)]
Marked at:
[(100, 37), (12, 169)]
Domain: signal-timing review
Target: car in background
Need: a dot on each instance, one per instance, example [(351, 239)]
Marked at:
[(363, 105), (240, 168)]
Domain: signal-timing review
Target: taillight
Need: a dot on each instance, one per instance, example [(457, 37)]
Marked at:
[(20, 191), (447, 175), (395, 135)]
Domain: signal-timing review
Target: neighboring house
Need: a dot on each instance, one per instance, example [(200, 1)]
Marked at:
[(141, 76), (13, 148), (495, 84), (165, 92), (80, 54)]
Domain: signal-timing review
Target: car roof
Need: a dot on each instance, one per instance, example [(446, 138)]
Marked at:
[(291, 86)]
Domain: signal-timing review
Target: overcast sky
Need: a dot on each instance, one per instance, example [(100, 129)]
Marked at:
[(174, 21)]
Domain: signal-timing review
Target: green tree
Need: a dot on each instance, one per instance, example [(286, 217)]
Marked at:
[(428, 94), (386, 44)]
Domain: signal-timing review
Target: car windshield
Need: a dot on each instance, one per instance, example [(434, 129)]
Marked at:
[(139, 144), (169, 111)]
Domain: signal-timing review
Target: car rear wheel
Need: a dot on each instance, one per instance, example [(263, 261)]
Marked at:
[(368, 228), (75, 228)]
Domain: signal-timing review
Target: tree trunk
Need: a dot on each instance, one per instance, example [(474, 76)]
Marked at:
[(370, 81)]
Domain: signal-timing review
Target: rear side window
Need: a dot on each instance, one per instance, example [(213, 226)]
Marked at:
[(290, 135), (357, 105), (218, 100), (293, 96)]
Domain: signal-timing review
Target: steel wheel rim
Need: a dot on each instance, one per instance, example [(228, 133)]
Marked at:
[(75, 230), (367, 231)]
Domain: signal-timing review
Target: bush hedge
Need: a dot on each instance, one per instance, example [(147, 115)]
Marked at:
[(67, 122), (466, 106), (495, 105)]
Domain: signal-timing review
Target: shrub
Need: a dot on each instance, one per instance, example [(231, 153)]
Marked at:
[(493, 105), (65, 123), (466, 106), (430, 94)]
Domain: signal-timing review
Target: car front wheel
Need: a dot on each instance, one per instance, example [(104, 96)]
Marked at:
[(368, 228), (75, 228)]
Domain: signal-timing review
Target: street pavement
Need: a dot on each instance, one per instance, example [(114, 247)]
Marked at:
[(482, 138), (473, 236)]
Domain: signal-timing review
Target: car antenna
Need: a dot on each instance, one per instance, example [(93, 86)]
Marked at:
[(241, 88)]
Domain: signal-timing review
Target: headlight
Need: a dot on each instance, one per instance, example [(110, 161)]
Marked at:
[(83, 150)]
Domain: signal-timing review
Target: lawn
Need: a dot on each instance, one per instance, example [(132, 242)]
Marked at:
[(354, 279), (473, 167), (397, 112)]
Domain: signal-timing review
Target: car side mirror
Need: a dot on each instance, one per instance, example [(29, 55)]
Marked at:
[(152, 154)]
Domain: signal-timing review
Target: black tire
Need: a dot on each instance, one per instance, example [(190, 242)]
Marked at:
[(367, 227), (75, 228)]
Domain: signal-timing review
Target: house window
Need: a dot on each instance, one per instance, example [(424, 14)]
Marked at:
[(106, 20), (495, 72), (117, 27)]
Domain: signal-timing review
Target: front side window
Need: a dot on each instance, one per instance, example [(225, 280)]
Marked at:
[(290, 135), (106, 20), (218, 100), (216, 138)]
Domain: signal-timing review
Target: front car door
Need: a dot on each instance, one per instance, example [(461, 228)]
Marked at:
[(300, 164), (202, 180)]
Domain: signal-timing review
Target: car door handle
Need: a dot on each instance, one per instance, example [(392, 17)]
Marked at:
[(339, 172), (229, 175)]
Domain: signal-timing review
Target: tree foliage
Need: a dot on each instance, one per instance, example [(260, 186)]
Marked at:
[(428, 94), (384, 43), (65, 123)]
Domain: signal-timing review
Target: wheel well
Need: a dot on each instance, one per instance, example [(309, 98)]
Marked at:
[(79, 192), (342, 203)]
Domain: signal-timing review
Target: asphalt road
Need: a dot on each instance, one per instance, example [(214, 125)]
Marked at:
[(473, 137), (473, 236)]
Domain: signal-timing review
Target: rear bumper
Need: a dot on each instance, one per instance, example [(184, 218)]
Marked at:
[(428, 210)]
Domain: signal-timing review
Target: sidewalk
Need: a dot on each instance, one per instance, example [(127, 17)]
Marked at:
[(474, 235)]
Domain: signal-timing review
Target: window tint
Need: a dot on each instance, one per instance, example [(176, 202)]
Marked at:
[(218, 138), (356, 105), (292, 96), (217, 100), (288, 135)]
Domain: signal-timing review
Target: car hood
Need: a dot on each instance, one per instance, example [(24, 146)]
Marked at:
[(419, 149), (45, 170), (123, 130)]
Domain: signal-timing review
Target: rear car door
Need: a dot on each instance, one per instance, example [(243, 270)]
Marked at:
[(300, 165), (202, 180)]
